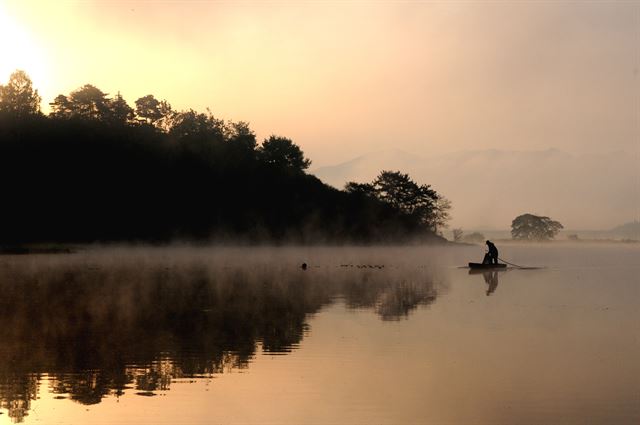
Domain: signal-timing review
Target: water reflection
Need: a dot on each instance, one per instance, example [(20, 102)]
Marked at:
[(490, 278), (102, 328)]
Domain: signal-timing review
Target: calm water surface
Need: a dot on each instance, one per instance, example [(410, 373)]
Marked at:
[(364, 335)]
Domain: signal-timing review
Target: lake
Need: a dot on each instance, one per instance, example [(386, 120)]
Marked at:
[(383, 335)]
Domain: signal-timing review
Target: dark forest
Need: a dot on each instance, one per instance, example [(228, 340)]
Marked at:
[(96, 169)]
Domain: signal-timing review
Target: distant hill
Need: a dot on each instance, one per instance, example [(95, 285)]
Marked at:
[(629, 230), (488, 188)]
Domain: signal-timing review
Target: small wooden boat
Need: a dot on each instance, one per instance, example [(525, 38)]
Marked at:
[(482, 266)]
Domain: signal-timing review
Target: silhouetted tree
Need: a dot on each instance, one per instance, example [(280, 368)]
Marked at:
[(148, 107), (399, 191), (457, 235), (361, 189), (441, 215), (282, 153), (155, 112), (241, 136), (191, 126), (18, 96), (61, 107), (119, 110), (167, 113), (89, 102), (419, 202), (533, 227)]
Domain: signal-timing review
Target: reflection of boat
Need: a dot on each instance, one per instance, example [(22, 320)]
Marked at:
[(486, 266)]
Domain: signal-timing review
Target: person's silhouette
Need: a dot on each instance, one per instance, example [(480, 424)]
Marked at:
[(491, 257)]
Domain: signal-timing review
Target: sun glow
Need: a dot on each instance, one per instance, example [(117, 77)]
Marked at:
[(19, 51)]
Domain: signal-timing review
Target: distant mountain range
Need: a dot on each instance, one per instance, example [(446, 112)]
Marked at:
[(628, 230), (488, 188)]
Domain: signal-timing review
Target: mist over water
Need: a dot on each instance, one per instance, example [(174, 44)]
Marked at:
[(98, 323), (364, 335)]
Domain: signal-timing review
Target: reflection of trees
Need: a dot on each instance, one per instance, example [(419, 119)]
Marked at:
[(20, 390), (399, 300), (103, 329), (392, 298)]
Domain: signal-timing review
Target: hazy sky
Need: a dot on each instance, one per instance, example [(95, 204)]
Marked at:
[(345, 78)]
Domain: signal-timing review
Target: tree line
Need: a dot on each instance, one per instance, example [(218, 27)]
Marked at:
[(97, 169)]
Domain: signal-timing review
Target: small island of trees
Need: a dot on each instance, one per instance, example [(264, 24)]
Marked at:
[(533, 227), (97, 169)]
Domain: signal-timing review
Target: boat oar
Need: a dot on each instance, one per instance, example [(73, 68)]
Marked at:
[(516, 265)]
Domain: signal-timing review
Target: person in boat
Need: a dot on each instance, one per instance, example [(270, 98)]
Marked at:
[(491, 257)]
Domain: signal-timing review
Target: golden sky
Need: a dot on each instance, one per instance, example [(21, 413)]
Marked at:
[(346, 78)]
